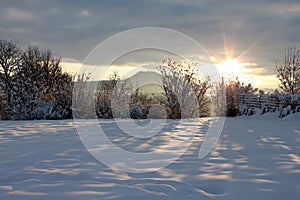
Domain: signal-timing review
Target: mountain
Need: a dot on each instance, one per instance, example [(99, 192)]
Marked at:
[(148, 82)]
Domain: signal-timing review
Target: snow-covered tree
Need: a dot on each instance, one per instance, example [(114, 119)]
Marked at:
[(235, 88), (40, 90), (218, 98), (10, 60), (184, 90), (113, 97), (104, 96), (288, 70), (83, 97)]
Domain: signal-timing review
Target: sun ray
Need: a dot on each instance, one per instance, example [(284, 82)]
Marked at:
[(247, 50), (230, 64)]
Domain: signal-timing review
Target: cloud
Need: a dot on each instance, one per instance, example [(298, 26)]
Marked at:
[(73, 28), (18, 16)]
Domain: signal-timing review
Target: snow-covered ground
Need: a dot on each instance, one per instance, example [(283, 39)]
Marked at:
[(256, 157)]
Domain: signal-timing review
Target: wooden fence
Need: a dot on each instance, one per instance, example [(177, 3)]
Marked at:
[(269, 101)]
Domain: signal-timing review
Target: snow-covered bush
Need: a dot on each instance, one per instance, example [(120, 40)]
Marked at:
[(157, 111), (184, 90), (40, 90), (112, 98), (137, 111), (291, 104), (283, 104)]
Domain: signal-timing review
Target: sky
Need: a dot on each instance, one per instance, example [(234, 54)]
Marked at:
[(254, 32)]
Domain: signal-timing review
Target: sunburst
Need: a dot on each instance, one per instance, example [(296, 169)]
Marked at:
[(229, 67)]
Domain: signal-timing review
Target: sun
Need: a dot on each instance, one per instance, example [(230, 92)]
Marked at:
[(229, 67)]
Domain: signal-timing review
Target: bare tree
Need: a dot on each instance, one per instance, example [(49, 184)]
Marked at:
[(288, 70), (10, 60)]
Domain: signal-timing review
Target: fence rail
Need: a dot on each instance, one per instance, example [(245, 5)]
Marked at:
[(270, 101)]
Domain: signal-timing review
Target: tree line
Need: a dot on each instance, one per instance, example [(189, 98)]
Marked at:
[(33, 86)]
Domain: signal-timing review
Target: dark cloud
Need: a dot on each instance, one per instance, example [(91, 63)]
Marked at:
[(72, 28)]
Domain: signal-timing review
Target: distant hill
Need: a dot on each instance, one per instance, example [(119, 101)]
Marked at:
[(148, 82)]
